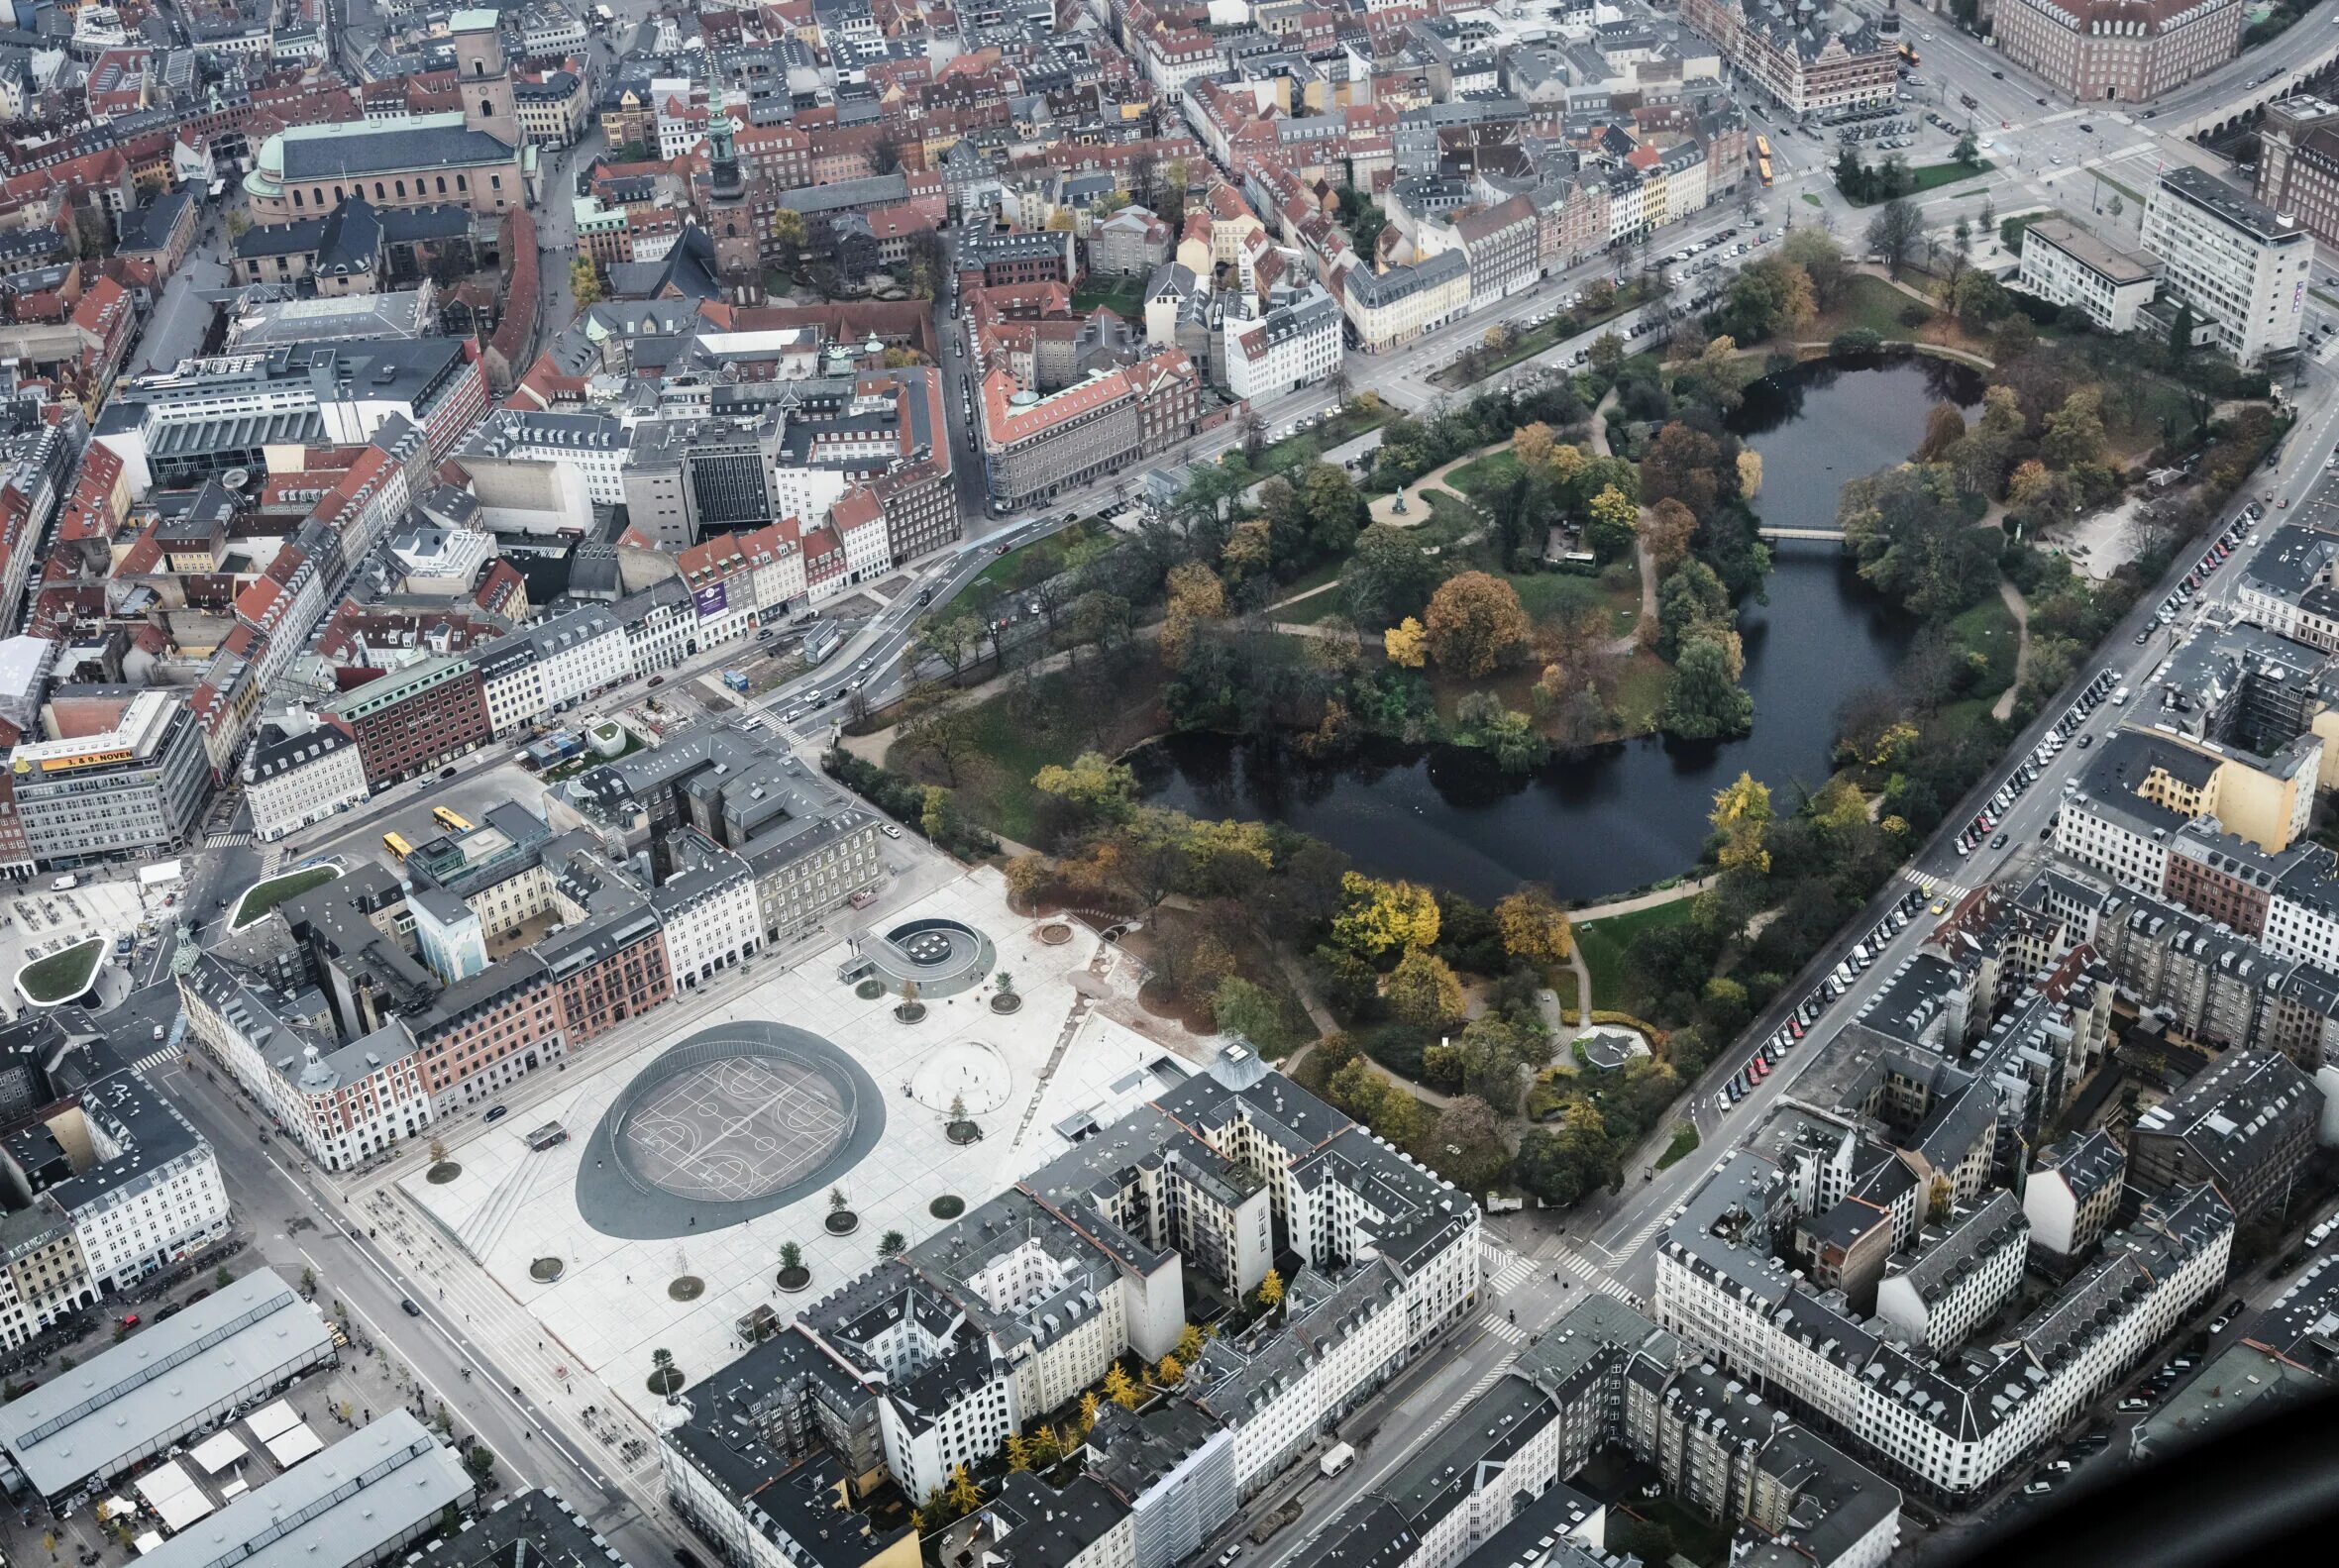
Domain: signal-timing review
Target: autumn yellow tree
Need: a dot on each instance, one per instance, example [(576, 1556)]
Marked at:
[(1422, 990), (1088, 1404), (1045, 1447), (1532, 444), (1750, 474), (1381, 915), (1120, 1388), (1188, 1348), (1475, 623), (1614, 509), (1406, 644), (1170, 1372), (1271, 1290), (1534, 926), (1195, 596), (1249, 550), (1019, 1452), (1742, 816), (964, 1497)]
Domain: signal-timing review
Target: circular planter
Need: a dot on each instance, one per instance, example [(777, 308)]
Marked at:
[(948, 1207), (65, 976), (665, 1380), (1006, 1003), (1055, 933), (546, 1270), (793, 1280), (686, 1288), (962, 1133), (442, 1172), (910, 1012), (842, 1221), (870, 990)]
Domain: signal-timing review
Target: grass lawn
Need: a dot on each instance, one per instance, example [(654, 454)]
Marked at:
[(1065, 715), (62, 975), (263, 897), (1126, 298), (1932, 177), (1814, 200), (1552, 595), (1481, 476), (1313, 611), (1640, 695), (1450, 520), (1988, 629), (1603, 944), (1868, 303), (1684, 1144), (1033, 562), (1960, 718)]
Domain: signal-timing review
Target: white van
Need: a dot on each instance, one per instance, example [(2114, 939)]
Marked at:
[(2119, 699)]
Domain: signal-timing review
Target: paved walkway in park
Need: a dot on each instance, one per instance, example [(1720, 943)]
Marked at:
[(1383, 508), (2003, 709), (1641, 557), (1642, 900)]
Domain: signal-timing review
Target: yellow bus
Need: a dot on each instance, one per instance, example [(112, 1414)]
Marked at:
[(1762, 146), (1763, 167), (1908, 55), (397, 845), (449, 821)]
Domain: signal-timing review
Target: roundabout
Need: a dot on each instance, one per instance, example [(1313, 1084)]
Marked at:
[(729, 1124)]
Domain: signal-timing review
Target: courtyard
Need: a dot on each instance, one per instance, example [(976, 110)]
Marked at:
[(643, 1204)]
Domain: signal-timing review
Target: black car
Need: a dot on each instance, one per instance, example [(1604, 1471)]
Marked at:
[(497, 1112), (407, 1305), (2000, 74), (445, 773)]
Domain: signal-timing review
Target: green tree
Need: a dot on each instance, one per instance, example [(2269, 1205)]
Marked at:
[(1387, 577), (892, 1244), (1969, 151), (584, 281), (1705, 701), (1568, 1156), (1243, 1009), (1613, 525), (1093, 786), (1895, 233)]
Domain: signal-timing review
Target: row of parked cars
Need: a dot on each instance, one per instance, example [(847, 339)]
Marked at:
[(1863, 953), (2220, 548), (1993, 812)]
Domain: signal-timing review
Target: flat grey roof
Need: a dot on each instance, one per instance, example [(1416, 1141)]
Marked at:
[(367, 1493), (166, 1380)]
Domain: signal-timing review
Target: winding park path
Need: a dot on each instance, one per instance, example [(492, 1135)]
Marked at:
[(2004, 708), (1641, 557)]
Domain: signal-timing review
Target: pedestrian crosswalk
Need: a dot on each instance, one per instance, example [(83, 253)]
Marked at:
[(1487, 1380), (227, 841), (1503, 1268), (271, 860), (1502, 1328), (156, 1061), (1939, 887)]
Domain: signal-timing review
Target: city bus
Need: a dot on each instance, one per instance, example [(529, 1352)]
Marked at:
[(398, 846), (449, 821), (1762, 157), (1908, 55), (1763, 169)]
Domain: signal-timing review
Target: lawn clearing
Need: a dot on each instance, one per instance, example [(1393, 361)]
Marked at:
[(1930, 176), (1482, 477), (1684, 1145), (1869, 304), (1988, 629), (1126, 298), (1603, 944), (262, 896)]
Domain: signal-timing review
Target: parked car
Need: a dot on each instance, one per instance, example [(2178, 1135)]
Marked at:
[(407, 1305)]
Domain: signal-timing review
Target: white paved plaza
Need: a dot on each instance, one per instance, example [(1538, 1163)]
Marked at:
[(611, 1306)]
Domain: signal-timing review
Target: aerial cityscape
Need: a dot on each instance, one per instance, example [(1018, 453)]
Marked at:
[(1160, 783)]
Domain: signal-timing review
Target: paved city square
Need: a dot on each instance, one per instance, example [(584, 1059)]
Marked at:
[(712, 1137)]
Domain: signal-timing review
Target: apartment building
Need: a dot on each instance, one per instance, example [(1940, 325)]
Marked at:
[(408, 722), (140, 783), (1947, 1428), (2236, 262), (1036, 445), (293, 778), (2120, 51), (1960, 1277), (1801, 60), (2073, 1192), (931, 1361), (2246, 1126), (2299, 162), (2066, 266), (1386, 310), (1294, 343), (2287, 587)]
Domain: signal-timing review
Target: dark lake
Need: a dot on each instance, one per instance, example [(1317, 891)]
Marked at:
[(1632, 813)]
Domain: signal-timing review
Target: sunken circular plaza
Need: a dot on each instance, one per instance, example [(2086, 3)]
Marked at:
[(730, 1125), (942, 955)]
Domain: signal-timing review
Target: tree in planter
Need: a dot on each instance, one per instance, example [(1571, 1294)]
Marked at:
[(1270, 1292), (438, 1151), (836, 1200), (892, 1244), (663, 1377), (909, 994), (1006, 984), (1119, 1387), (792, 1257), (1170, 1373)]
